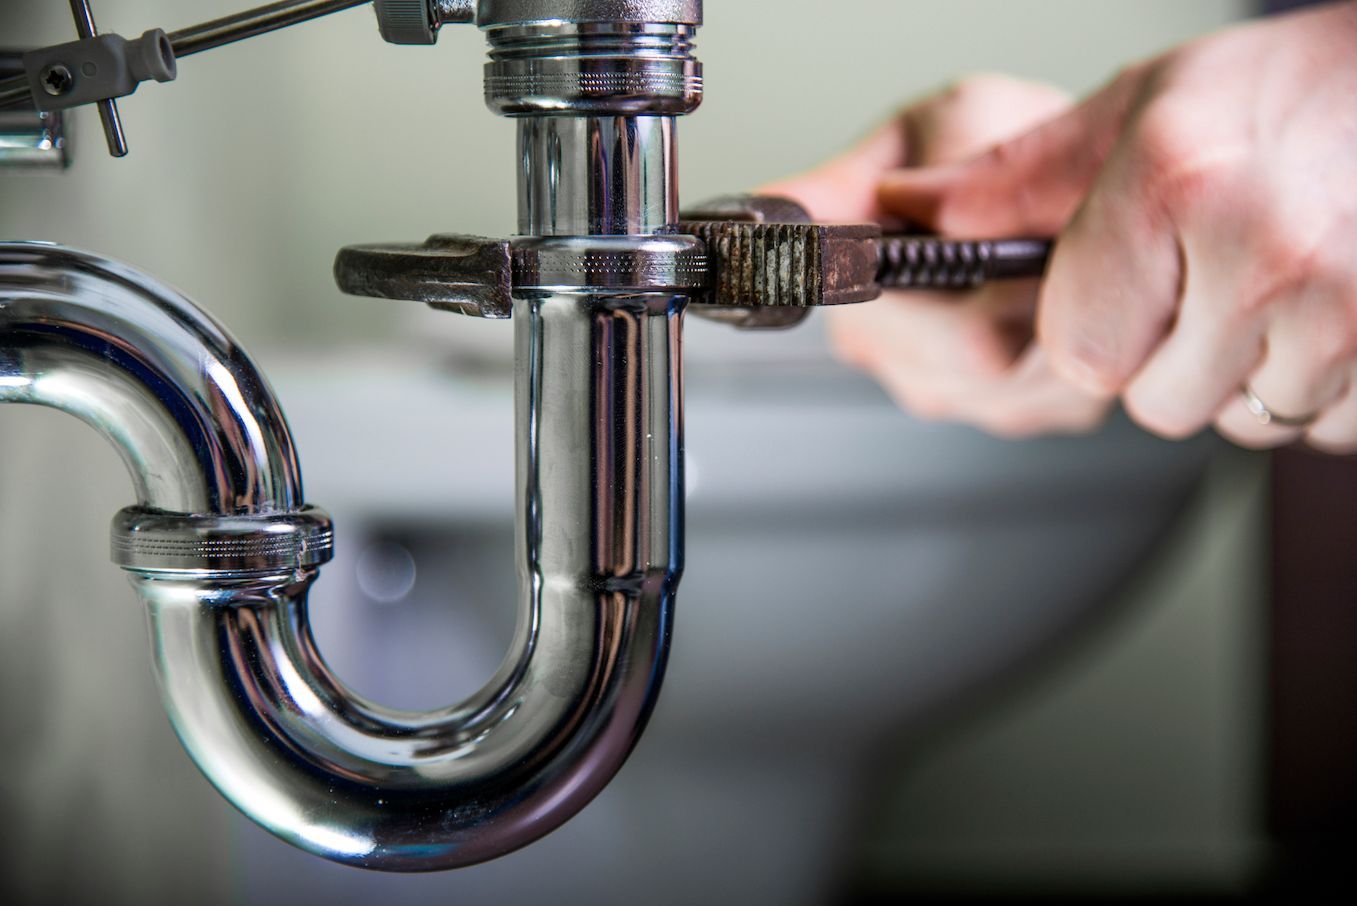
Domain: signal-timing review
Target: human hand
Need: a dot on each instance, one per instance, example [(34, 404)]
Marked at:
[(967, 358), (1206, 207)]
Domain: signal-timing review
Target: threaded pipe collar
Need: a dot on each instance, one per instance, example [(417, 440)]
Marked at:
[(149, 541), (495, 13)]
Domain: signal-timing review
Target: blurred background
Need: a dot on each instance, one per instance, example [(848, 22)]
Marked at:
[(929, 663)]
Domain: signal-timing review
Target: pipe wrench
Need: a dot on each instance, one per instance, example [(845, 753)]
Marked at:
[(769, 265)]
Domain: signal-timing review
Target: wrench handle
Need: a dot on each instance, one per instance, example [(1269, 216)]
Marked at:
[(932, 262)]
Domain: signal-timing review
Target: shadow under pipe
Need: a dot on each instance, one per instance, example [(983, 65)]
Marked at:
[(222, 551)]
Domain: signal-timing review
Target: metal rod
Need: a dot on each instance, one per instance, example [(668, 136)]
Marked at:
[(84, 19), (14, 91), (14, 85), (113, 128), (108, 110), (198, 38), (228, 30)]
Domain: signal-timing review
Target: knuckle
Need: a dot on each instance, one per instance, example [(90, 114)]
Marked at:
[(1181, 166), (1163, 136), (1287, 261), (980, 92), (1022, 196), (1087, 363), (1333, 337), (1006, 156)]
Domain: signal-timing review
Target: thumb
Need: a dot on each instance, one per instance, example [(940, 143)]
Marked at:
[(1031, 184)]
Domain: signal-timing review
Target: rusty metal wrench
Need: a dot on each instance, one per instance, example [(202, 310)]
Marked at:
[(770, 265)]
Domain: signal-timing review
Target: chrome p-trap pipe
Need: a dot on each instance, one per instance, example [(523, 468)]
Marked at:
[(222, 549)]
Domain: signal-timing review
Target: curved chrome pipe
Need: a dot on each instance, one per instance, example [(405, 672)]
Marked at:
[(188, 411), (222, 553), (598, 564)]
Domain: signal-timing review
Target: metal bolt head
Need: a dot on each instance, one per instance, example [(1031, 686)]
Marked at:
[(57, 80)]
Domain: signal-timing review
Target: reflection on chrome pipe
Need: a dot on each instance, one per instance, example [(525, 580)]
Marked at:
[(222, 553), (187, 410), (598, 564), (33, 142), (30, 141), (596, 175)]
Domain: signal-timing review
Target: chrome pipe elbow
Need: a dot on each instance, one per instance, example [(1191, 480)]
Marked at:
[(222, 552), (189, 413)]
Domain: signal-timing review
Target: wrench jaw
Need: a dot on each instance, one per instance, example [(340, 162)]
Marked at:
[(770, 266)]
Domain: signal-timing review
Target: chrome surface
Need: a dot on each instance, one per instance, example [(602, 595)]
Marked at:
[(14, 91), (451, 12), (418, 21), (599, 557), (206, 36), (223, 552), (252, 22), (188, 411), (225, 580), (516, 12), (660, 262), (144, 539), (109, 117), (592, 68), (33, 141), (583, 176)]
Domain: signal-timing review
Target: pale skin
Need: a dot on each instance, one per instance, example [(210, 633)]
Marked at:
[(1204, 206)]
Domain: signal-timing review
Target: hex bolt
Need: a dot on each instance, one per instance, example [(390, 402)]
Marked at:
[(57, 80)]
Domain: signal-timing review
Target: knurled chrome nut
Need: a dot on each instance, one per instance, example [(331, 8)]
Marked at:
[(150, 541), (406, 21), (638, 263)]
